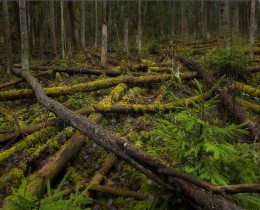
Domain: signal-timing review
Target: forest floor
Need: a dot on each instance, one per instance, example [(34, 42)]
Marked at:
[(26, 151)]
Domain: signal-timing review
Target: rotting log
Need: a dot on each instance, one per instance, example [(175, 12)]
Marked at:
[(248, 104), (238, 112), (73, 70), (139, 108), (143, 162), (84, 87), (245, 88), (14, 82), (54, 165)]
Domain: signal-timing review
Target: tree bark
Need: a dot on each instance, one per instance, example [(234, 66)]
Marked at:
[(139, 31), (238, 112), (74, 23), (224, 21), (52, 28), (7, 36), (73, 70), (24, 36), (84, 87), (126, 150), (96, 23), (104, 45), (82, 24), (62, 29), (252, 28), (126, 23), (235, 30)]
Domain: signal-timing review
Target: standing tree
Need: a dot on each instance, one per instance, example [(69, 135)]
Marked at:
[(62, 29), (139, 31), (82, 24), (96, 23), (235, 27), (52, 27), (74, 23), (126, 23), (224, 21), (24, 35), (7, 36), (104, 36), (252, 28)]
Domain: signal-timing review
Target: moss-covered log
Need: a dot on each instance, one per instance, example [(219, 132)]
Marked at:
[(145, 163), (238, 112), (125, 108), (73, 70), (248, 104), (246, 89), (252, 70), (85, 87)]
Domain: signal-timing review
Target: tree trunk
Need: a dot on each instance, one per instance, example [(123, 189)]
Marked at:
[(202, 19), (7, 36), (143, 162), (74, 23), (52, 27), (104, 45), (224, 21), (62, 29), (235, 21), (184, 23), (82, 24), (96, 23), (139, 31), (24, 36), (252, 28)]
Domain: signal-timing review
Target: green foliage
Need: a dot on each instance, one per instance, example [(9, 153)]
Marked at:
[(191, 141), (230, 61), (154, 48), (23, 199)]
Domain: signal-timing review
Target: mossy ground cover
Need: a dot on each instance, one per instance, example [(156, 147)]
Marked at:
[(137, 128)]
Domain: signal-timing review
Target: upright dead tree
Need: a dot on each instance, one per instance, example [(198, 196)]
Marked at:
[(62, 29), (224, 21), (82, 24), (184, 24), (104, 36), (139, 30), (7, 36), (52, 27), (235, 22), (126, 23), (24, 36), (252, 28), (74, 23), (96, 23)]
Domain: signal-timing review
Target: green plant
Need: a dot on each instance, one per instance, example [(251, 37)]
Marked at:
[(154, 48), (23, 199), (230, 61), (195, 142)]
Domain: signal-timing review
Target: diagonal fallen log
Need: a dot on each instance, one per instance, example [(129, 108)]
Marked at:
[(248, 104), (85, 87), (245, 88), (147, 164), (238, 112), (73, 70)]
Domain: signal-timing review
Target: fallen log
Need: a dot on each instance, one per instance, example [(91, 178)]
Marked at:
[(245, 88), (252, 70), (238, 112), (73, 70), (248, 104), (147, 164), (84, 87), (14, 82)]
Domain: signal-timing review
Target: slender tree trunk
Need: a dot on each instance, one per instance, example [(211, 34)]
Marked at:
[(235, 29), (7, 36), (252, 28), (52, 28), (82, 24), (184, 24), (202, 21), (126, 35), (96, 23), (62, 29), (139, 30), (24, 36), (74, 23), (224, 21), (104, 36)]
